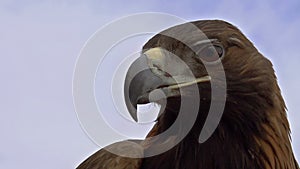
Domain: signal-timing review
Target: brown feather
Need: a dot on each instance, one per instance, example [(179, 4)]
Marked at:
[(253, 132), (105, 159)]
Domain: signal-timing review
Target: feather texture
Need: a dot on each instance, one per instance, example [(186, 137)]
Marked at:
[(254, 131)]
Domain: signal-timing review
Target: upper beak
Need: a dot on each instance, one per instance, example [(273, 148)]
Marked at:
[(148, 73)]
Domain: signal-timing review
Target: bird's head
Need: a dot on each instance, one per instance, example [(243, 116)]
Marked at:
[(200, 54)]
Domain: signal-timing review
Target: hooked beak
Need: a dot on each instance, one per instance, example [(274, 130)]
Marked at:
[(148, 81)]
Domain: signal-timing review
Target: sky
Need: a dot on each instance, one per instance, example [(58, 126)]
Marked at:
[(41, 40)]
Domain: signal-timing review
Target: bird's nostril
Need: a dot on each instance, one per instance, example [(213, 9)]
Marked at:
[(167, 74), (156, 66), (164, 73)]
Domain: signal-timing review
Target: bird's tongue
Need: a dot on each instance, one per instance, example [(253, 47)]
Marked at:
[(157, 95), (168, 91)]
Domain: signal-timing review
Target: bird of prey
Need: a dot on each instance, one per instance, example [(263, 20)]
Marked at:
[(253, 131)]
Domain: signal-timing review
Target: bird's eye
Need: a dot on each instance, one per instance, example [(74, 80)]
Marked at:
[(211, 53)]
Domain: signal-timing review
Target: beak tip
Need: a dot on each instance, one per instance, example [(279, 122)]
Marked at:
[(133, 114), (135, 118)]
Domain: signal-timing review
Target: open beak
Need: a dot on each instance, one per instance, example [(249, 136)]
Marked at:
[(148, 80)]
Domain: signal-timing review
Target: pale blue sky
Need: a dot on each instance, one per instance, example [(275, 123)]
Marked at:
[(39, 44)]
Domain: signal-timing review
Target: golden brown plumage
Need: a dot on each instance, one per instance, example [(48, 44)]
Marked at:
[(254, 130), (104, 159)]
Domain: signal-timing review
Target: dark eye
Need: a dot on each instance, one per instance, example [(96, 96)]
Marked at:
[(211, 53)]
